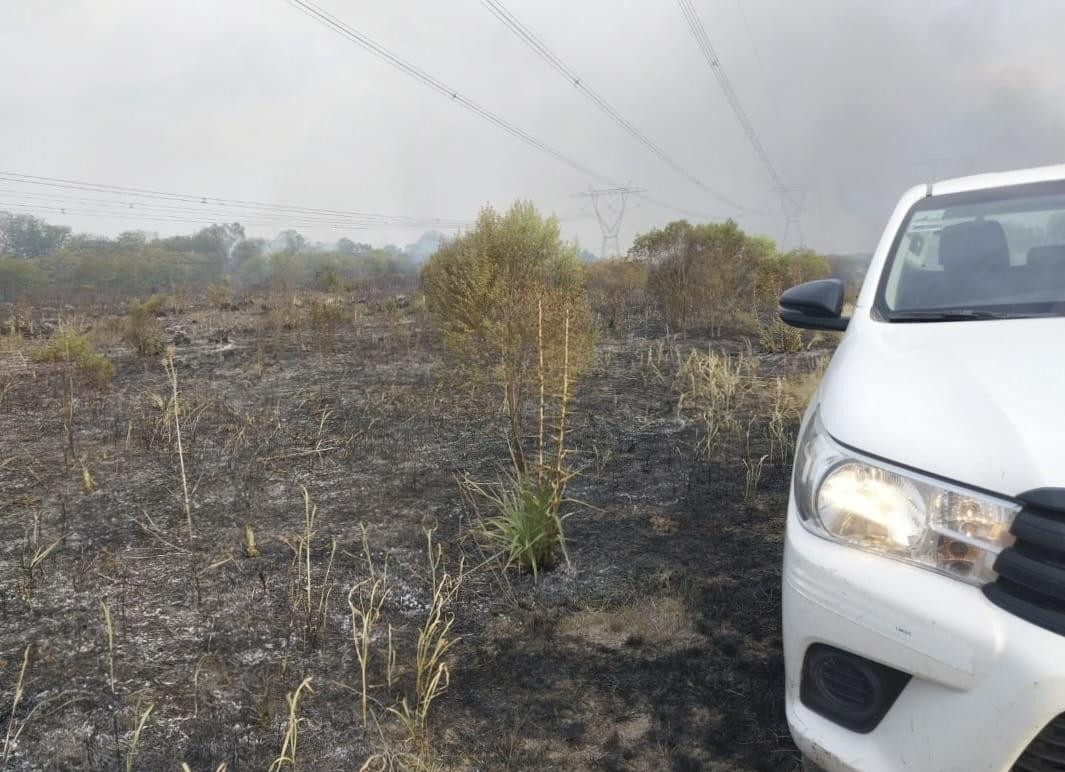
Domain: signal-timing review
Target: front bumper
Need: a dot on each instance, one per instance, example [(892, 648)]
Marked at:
[(984, 681)]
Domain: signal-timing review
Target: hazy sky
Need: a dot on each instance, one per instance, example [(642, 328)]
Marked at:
[(251, 99)]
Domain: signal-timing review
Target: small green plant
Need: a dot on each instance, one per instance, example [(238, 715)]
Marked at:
[(527, 528), (76, 350), (144, 332)]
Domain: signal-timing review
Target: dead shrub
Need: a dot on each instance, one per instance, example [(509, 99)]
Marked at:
[(616, 288), (326, 316), (19, 323), (221, 296)]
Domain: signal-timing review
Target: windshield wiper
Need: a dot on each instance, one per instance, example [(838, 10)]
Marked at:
[(950, 315)]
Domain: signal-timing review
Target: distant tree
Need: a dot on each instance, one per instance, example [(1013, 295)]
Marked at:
[(246, 249), (345, 246), (17, 276), (423, 248), (132, 241), (26, 236), (217, 240), (294, 242)]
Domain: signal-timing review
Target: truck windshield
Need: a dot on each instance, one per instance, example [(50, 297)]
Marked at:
[(988, 254)]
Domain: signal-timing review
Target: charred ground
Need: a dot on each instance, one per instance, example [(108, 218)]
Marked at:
[(656, 647)]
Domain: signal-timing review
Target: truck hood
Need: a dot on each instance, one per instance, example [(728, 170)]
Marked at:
[(981, 403)]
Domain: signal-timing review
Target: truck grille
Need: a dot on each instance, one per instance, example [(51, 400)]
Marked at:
[(1046, 753), (1031, 573)]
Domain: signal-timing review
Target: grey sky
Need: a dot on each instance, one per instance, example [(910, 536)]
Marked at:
[(251, 99)]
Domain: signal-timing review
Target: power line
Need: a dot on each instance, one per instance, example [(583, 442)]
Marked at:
[(147, 216), (791, 203), (439, 86), (224, 214), (707, 48), (680, 209), (254, 208), (346, 31), (540, 48)]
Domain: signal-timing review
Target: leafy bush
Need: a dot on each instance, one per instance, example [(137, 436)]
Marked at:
[(777, 272), (144, 333), (509, 303), (716, 276), (702, 275), (328, 279), (74, 348)]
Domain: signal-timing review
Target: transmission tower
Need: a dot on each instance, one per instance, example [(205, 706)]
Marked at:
[(613, 201), (792, 201)]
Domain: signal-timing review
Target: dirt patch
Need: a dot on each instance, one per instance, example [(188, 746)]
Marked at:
[(646, 621)]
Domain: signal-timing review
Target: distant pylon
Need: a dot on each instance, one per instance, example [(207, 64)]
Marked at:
[(610, 223), (792, 202)]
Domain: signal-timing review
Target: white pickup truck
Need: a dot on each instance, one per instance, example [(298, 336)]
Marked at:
[(924, 567)]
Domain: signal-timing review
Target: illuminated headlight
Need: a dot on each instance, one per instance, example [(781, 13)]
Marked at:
[(875, 506)]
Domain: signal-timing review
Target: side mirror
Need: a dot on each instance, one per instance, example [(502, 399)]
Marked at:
[(815, 305)]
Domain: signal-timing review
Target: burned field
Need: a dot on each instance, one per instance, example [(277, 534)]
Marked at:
[(226, 560)]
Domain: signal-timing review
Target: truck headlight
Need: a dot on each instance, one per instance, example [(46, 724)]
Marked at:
[(876, 506)]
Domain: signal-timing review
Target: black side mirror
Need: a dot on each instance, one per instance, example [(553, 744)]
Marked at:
[(815, 305)]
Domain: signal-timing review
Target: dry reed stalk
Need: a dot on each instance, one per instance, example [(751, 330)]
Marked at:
[(14, 705), (287, 754), (171, 372)]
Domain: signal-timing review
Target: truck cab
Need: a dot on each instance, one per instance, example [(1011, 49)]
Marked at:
[(924, 567)]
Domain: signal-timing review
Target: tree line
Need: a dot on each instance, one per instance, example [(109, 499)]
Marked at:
[(39, 257)]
